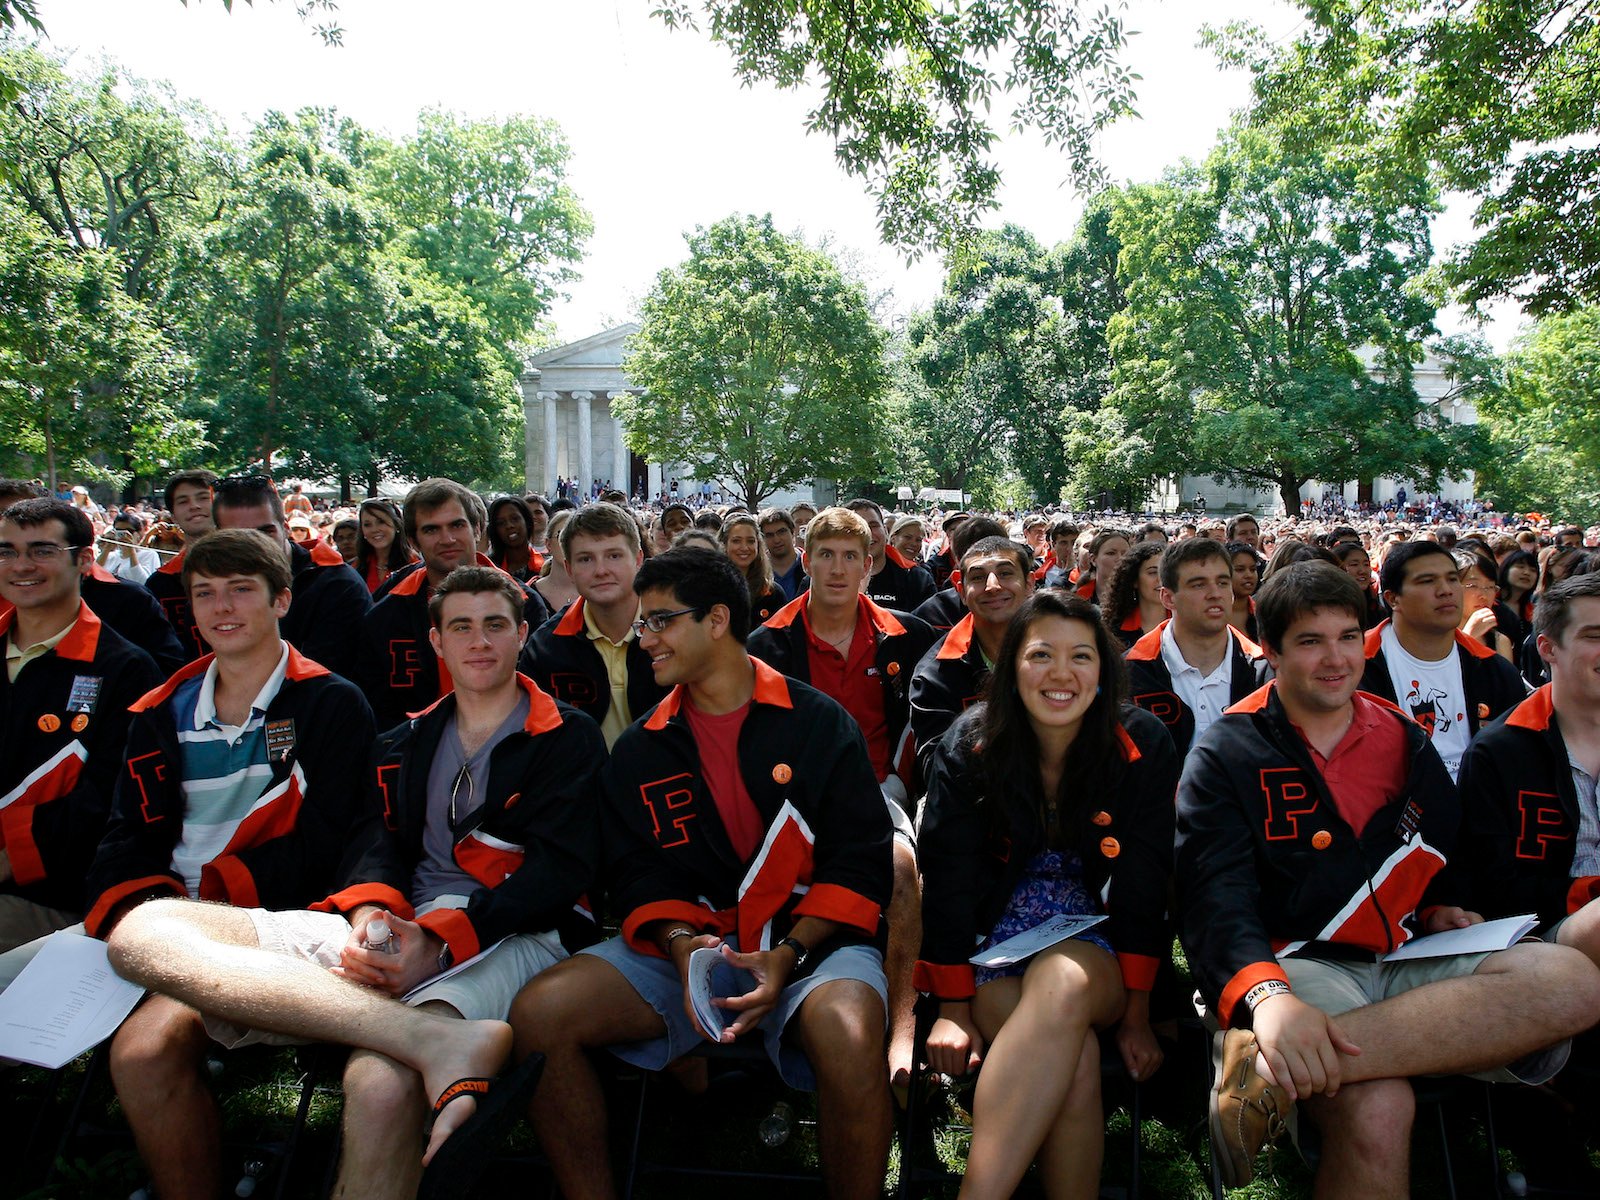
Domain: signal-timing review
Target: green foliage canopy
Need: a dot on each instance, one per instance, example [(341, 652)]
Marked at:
[(1497, 95), (760, 364), (1270, 331)]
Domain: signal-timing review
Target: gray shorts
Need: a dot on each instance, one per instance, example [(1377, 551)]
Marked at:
[(480, 992), (657, 981), (1336, 986)]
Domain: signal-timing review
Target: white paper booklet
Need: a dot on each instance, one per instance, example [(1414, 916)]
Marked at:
[(704, 981), (1482, 938), (1030, 941), (65, 1002)]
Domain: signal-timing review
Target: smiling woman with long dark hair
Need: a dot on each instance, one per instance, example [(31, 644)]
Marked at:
[(1051, 793)]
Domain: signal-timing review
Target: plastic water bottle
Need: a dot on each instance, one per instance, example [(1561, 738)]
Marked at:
[(253, 1171), (776, 1125), (380, 937)]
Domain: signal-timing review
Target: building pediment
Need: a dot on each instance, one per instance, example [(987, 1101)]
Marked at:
[(603, 349)]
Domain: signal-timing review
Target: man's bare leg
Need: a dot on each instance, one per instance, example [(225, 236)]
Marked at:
[(1518, 1001), (1366, 1141), (158, 1068), (841, 1029), (207, 956), (578, 1005), (385, 1114), (899, 961)]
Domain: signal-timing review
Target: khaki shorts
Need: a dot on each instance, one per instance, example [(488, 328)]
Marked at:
[(482, 991), (1336, 986)]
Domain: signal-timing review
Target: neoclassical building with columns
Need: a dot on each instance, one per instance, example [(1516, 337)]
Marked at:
[(569, 432)]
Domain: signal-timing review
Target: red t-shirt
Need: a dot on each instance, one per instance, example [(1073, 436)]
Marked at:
[(717, 739), (1367, 769), (855, 684)]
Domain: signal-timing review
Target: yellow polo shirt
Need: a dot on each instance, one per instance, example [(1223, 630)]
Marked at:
[(615, 656), (17, 657)]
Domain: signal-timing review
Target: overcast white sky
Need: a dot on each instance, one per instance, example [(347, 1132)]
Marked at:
[(662, 137)]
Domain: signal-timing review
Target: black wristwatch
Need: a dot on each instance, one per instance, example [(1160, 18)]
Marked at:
[(800, 952)]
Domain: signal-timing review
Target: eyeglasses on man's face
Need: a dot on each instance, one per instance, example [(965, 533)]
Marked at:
[(42, 553), (658, 622)]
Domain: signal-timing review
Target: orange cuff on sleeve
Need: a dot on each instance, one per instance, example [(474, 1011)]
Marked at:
[(831, 902), (695, 915), (353, 897), (95, 921), (1584, 889), (453, 925), (946, 981), (1138, 970), (227, 878), (1241, 983)]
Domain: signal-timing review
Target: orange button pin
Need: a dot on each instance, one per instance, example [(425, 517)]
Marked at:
[(1110, 847), (781, 773), (80, 722), (49, 723), (1101, 818), (1322, 839)]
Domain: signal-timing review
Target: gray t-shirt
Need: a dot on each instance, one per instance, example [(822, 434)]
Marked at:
[(438, 881)]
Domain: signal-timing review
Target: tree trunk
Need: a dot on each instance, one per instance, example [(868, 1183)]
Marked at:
[(50, 452), (1289, 492)]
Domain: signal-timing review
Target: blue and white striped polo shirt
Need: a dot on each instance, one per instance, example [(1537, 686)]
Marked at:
[(225, 768)]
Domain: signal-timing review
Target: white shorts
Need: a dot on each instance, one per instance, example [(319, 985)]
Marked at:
[(482, 991)]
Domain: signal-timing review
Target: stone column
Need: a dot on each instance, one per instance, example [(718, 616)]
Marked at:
[(532, 429), (653, 482), (621, 477), (550, 435), (585, 442)]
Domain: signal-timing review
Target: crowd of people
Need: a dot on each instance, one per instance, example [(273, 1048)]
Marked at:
[(385, 775)]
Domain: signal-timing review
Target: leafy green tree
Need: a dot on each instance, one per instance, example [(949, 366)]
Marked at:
[(445, 404), (760, 364), (1544, 425), (486, 208), (1497, 95), (1013, 356), (298, 305), (907, 90), (83, 372), (1270, 328), (104, 185), (110, 163)]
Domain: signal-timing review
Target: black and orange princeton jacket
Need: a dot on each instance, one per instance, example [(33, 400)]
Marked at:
[(1267, 868), (972, 861), (1150, 683), (283, 855), (1520, 807), (826, 852), (533, 847)]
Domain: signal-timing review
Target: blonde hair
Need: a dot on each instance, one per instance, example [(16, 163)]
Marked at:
[(838, 523)]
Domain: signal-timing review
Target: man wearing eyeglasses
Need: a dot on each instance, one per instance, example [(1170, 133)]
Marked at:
[(125, 607), (329, 598), (480, 835), (64, 699), (588, 654), (742, 816)]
